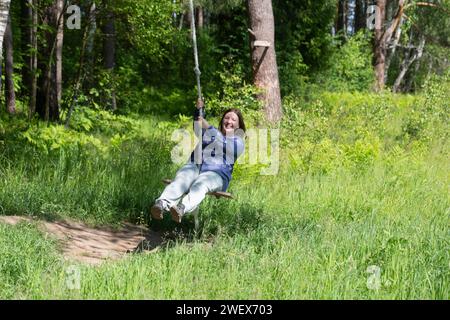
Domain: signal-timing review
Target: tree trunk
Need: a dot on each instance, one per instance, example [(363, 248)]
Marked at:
[(33, 59), (199, 18), (9, 71), (392, 48), (341, 24), (380, 45), (383, 38), (109, 48), (4, 13), (408, 86), (58, 53), (360, 15), (25, 28), (49, 91), (409, 59), (92, 30), (264, 62), (90, 54)]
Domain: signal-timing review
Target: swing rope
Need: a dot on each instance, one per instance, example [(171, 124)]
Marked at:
[(194, 41)]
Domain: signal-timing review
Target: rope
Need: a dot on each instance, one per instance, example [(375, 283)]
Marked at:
[(194, 40)]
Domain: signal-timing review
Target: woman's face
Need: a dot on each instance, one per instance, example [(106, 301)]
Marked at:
[(230, 122)]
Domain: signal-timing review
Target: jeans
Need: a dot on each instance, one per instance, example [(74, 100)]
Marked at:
[(191, 184)]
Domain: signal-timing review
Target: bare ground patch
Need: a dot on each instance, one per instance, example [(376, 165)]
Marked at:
[(86, 244)]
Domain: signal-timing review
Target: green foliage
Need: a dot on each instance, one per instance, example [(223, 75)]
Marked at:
[(350, 66), (96, 131), (234, 93), (293, 75), (304, 26), (149, 25), (335, 130)]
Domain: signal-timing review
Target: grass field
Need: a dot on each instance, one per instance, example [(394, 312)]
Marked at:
[(374, 228)]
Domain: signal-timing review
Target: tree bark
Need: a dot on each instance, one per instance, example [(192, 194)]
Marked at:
[(380, 45), (9, 70), (264, 62), (382, 38), (48, 95)]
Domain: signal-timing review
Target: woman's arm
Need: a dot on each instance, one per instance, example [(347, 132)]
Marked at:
[(203, 122)]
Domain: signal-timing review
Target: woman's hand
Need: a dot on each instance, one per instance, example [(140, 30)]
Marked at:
[(204, 124)]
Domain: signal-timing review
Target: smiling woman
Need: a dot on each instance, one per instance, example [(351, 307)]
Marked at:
[(209, 167)]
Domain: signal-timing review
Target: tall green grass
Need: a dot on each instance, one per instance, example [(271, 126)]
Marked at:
[(294, 237)]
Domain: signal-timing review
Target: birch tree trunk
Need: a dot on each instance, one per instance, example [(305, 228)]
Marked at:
[(4, 13), (9, 70), (406, 64), (264, 62)]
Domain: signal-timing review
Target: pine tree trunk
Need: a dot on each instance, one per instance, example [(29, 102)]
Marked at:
[(380, 45), (264, 63), (9, 71)]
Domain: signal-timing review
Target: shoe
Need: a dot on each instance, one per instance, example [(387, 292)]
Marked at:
[(177, 212), (157, 210)]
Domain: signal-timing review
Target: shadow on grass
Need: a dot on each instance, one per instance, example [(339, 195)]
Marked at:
[(224, 217)]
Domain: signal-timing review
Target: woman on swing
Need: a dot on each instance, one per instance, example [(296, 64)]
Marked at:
[(209, 168)]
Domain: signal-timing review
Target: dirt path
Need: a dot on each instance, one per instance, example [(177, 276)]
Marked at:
[(95, 245)]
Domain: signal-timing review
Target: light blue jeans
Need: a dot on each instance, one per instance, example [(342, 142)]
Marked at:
[(191, 184)]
